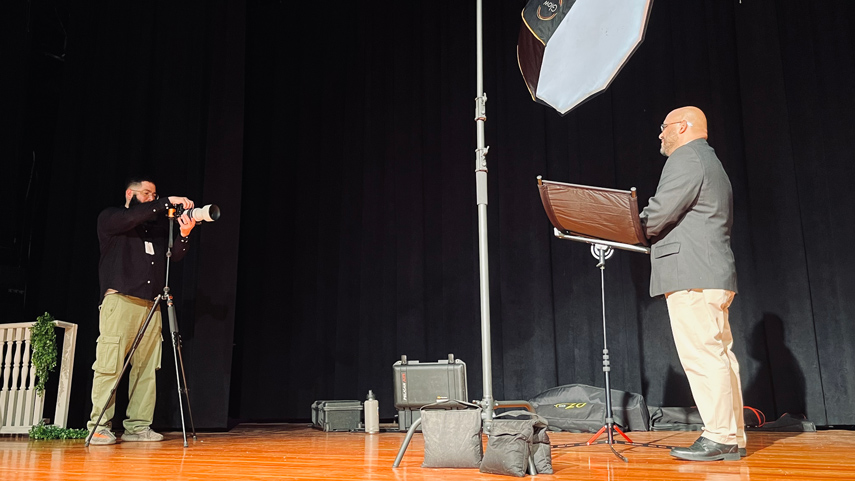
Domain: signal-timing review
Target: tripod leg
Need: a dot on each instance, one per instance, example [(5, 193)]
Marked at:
[(619, 455), (128, 358), (622, 434), (176, 351), (186, 389), (595, 436)]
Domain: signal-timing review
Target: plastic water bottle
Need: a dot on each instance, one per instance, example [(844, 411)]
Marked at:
[(372, 414)]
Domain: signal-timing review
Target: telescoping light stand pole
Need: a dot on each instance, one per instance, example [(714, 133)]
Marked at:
[(481, 199), (488, 403)]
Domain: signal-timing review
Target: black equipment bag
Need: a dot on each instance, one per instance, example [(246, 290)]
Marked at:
[(689, 419), (675, 419), (582, 408)]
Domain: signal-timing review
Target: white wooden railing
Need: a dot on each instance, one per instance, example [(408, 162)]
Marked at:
[(20, 406)]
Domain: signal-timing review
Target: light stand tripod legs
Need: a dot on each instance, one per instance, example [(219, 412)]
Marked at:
[(180, 377), (128, 358)]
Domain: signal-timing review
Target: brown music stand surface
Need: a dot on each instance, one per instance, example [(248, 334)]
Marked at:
[(594, 212)]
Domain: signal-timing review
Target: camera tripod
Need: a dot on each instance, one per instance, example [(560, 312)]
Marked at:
[(180, 376)]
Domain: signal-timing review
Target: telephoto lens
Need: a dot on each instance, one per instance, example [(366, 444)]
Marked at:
[(208, 213)]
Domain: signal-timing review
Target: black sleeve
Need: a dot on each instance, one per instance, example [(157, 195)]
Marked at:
[(179, 245), (115, 220)]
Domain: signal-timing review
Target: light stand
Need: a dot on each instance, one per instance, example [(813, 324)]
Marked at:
[(176, 347), (488, 404)]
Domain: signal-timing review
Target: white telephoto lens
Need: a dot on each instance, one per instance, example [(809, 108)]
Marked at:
[(208, 213)]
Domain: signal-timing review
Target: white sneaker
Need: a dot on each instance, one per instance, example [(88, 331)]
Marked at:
[(146, 435), (103, 436)]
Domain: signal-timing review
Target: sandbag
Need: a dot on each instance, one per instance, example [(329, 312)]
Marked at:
[(452, 436), (541, 449), (516, 439)]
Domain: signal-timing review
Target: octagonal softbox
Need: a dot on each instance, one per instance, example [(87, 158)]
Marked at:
[(571, 50)]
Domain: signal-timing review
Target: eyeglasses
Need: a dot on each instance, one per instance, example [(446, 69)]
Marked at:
[(662, 127), (147, 193)]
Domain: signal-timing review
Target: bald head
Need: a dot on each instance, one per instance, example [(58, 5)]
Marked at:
[(682, 126)]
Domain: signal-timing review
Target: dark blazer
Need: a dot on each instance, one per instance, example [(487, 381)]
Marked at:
[(688, 221)]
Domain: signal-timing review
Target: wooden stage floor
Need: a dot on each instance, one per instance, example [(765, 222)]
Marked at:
[(295, 451)]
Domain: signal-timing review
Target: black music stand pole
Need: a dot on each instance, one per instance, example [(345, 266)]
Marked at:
[(603, 250)]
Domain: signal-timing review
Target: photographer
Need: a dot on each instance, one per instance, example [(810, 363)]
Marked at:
[(133, 241)]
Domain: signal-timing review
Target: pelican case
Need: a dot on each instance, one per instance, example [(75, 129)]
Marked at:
[(418, 384), (336, 415)]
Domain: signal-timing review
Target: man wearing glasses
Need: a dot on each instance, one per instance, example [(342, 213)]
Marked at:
[(132, 270), (689, 221)]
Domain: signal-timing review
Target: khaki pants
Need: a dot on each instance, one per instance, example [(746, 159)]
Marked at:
[(120, 320), (699, 321)]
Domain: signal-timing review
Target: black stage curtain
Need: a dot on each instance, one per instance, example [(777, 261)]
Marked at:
[(153, 88), (349, 230)]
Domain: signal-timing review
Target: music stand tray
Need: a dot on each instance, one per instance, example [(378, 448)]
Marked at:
[(595, 215)]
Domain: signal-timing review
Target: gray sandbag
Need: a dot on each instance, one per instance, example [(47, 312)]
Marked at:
[(541, 449), (516, 439), (452, 436), (508, 448)]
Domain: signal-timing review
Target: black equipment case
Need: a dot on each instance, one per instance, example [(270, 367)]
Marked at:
[(336, 415), (418, 384)]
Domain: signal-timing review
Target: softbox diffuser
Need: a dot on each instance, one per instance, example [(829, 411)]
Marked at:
[(571, 50)]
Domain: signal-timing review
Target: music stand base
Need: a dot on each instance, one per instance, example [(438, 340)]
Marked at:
[(610, 440)]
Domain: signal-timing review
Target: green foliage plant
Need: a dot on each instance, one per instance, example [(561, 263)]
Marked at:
[(42, 432), (43, 343)]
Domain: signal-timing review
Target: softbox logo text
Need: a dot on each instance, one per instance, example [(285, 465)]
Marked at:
[(548, 9)]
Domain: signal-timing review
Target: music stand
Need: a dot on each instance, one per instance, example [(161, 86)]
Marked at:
[(607, 219)]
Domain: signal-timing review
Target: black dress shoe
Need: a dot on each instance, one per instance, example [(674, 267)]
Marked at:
[(707, 450)]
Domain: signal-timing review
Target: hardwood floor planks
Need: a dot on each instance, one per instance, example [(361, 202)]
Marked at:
[(295, 451)]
